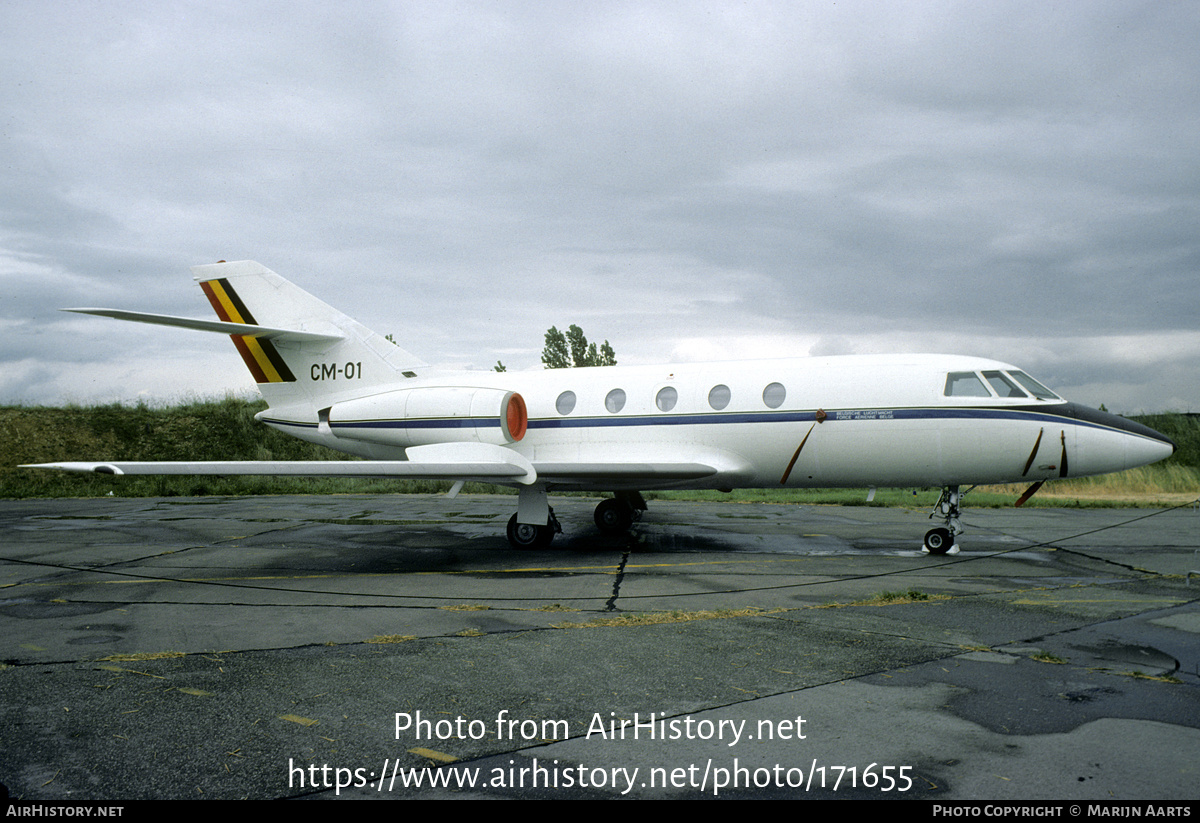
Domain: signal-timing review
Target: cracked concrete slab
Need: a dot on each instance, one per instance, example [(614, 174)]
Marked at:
[(254, 647)]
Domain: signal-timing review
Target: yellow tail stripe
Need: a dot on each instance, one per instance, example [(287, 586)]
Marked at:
[(230, 309), (264, 362), (260, 356)]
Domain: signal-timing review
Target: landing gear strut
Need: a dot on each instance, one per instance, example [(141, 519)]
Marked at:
[(948, 508)]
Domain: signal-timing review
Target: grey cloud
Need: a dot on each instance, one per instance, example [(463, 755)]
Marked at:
[(465, 174)]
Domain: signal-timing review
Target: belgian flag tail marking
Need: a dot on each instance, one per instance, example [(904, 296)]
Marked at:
[(259, 355), (299, 349)]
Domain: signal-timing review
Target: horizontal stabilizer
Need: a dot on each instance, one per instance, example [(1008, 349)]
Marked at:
[(244, 329)]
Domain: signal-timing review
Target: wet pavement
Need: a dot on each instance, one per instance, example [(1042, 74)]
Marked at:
[(340, 646)]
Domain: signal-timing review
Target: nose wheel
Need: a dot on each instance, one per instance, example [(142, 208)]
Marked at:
[(949, 507), (938, 541)]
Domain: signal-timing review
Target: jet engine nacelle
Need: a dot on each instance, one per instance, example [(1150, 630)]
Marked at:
[(434, 414)]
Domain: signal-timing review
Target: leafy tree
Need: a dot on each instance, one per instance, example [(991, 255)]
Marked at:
[(556, 354), (572, 349), (608, 357), (579, 346)]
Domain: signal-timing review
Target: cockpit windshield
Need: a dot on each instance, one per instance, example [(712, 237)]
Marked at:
[(1034, 387), (1002, 384), (965, 384)]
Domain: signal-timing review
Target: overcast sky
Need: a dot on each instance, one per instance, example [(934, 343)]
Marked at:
[(688, 180)]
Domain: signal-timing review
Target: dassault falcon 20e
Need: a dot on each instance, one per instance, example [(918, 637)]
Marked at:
[(898, 420)]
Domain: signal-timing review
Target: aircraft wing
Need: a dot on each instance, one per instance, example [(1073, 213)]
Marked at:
[(480, 462), (296, 468), (445, 461), (244, 329)]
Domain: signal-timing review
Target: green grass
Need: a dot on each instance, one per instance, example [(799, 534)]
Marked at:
[(216, 430), (910, 596)]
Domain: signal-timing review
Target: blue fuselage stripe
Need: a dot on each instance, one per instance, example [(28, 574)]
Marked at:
[(1064, 413), (1059, 413), (704, 419), (424, 423)]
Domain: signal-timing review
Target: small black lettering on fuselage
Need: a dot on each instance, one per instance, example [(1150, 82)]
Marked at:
[(865, 414), (334, 371)]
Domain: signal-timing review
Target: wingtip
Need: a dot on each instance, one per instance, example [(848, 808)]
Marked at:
[(97, 468)]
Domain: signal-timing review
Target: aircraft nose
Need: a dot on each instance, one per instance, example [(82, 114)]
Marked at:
[(1140, 451), (1141, 444)]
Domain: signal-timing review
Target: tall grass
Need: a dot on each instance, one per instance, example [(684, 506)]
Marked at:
[(1144, 481), (201, 430)]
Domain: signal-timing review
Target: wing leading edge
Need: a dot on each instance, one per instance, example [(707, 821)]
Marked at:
[(443, 461), (479, 462)]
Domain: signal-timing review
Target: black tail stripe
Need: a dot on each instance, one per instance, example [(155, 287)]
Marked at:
[(247, 317), (273, 355)]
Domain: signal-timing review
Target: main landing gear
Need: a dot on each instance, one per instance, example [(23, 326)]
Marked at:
[(613, 516), (531, 535), (941, 540), (525, 529), (616, 514)]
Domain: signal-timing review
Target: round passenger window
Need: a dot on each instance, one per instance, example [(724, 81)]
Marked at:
[(565, 402), (667, 398), (615, 401), (773, 395), (718, 396)]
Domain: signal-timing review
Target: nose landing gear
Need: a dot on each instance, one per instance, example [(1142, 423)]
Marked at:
[(941, 540)]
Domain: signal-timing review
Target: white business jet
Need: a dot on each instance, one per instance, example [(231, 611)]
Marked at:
[(909, 420)]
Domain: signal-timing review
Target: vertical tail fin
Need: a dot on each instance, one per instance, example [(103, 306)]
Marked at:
[(296, 368)]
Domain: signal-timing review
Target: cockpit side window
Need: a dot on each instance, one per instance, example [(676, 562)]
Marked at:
[(965, 384), (1034, 387), (1001, 385)]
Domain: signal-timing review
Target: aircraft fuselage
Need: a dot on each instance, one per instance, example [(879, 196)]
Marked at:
[(864, 420)]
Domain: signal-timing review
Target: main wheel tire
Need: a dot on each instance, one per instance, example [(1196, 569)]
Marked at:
[(529, 535), (613, 516), (938, 541)]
